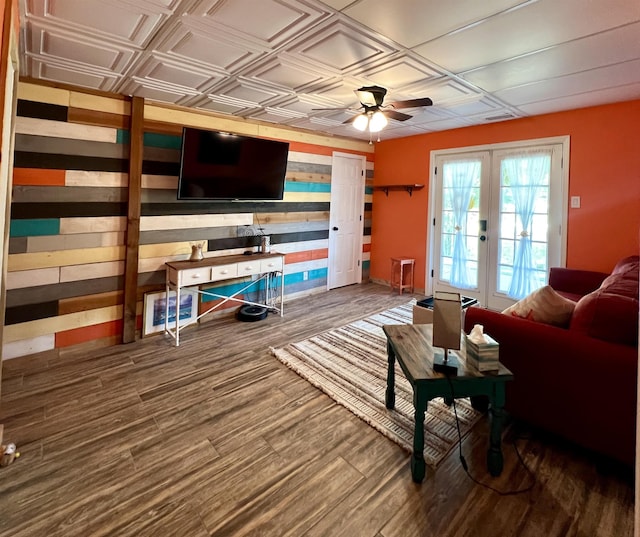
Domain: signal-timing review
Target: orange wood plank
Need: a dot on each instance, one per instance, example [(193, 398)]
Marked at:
[(366, 247), (88, 333), (297, 257), (324, 150), (38, 176), (320, 253)]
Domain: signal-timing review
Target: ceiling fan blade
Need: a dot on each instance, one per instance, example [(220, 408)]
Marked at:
[(398, 116), (412, 103), (366, 97)]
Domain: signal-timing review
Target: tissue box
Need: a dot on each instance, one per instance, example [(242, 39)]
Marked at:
[(484, 356)]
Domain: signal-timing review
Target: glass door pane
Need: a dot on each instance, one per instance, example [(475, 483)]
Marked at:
[(460, 223), (524, 211)]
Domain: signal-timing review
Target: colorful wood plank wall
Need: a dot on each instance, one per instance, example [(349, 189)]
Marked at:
[(68, 221)]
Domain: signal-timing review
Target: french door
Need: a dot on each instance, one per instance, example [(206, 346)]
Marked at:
[(499, 220)]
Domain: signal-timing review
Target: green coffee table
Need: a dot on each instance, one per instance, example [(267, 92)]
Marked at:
[(411, 345)]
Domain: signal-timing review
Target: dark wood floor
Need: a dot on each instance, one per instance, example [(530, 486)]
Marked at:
[(216, 437)]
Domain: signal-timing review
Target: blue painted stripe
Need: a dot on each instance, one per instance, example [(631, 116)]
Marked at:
[(368, 190), (122, 137), (289, 279), (296, 186), (34, 227), (366, 264), (297, 277)]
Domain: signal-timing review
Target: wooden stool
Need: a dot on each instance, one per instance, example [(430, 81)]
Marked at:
[(397, 265)]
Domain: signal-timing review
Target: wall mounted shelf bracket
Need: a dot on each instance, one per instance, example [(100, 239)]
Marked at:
[(406, 188)]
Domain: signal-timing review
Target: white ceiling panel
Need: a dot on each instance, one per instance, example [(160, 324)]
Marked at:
[(622, 74), (199, 45), (341, 47), (582, 100), (164, 69), (286, 71), (131, 22), (271, 23), (533, 27), (68, 74), (399, 71), (281, 60), (413, 22), (157, 91), (58, 46), (606, 48)]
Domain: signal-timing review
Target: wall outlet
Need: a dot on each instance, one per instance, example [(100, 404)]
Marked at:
[(575, 202), (305, 275)]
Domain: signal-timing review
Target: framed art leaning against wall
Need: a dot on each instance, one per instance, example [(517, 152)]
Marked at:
[(155, 308)]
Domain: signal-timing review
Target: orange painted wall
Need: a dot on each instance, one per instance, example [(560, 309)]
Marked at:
[(604, 171)]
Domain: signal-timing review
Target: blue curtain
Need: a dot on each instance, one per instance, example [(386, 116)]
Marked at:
[(459, 178), (526, 175)]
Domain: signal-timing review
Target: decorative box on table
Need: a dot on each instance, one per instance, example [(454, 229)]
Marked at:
[(483, 356)]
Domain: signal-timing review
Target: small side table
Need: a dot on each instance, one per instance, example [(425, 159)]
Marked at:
[(398, 266)]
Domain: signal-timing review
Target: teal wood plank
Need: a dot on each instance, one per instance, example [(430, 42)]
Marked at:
[(295, 186), (34, 227), (167, 141)]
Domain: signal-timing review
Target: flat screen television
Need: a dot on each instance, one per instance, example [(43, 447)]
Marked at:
[(222, 166)]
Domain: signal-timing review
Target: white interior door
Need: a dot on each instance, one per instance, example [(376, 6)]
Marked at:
[(499, 221), (346, 223)]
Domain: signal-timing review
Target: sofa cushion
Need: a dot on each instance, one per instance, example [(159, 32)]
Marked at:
[(607, 316), (544, 305)]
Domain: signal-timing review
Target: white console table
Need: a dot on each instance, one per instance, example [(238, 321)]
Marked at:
[(260, 267)]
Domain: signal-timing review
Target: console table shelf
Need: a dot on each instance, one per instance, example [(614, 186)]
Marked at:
[(262, 267), (406, 188)]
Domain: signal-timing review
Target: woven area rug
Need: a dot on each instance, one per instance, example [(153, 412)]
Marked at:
[(350, 365)]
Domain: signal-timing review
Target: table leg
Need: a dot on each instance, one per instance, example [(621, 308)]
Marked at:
[(495, 460), (390, 398), (417, 458)]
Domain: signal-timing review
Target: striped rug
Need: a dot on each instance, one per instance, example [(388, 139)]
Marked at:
[(350, 365)]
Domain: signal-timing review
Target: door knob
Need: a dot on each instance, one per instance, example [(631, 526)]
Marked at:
[(483, 238), (335, 228)]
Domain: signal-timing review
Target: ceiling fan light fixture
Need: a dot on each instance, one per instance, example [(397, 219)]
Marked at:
[(378, 122), (361, 122)]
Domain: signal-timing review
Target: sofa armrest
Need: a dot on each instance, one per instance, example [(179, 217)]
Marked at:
[(575, 281)]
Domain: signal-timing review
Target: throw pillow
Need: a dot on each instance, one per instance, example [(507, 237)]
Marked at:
[(544, 305)]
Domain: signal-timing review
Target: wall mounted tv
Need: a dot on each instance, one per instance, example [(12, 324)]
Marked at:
[(222, 166)]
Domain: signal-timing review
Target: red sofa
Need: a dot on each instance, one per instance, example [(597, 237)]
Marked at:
[(577, 381)]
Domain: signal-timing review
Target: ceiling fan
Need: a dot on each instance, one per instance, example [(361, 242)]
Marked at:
[(375, 115)]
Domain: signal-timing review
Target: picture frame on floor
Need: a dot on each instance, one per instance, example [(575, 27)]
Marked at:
[(155, 307)]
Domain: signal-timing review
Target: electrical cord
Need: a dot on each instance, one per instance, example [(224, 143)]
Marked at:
[(465, 466)]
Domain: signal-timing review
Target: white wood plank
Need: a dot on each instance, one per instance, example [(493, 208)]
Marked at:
[(95, 179), (93, 224), (186, 221), (32, 278), (24, 347), (63, 129), (91, 270)]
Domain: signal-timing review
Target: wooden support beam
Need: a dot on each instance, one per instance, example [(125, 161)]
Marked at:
[(133, 220)]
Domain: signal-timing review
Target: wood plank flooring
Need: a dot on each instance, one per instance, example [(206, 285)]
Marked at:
[(216, 437)]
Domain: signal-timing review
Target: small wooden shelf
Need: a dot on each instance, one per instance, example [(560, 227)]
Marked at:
[(406, 188)]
